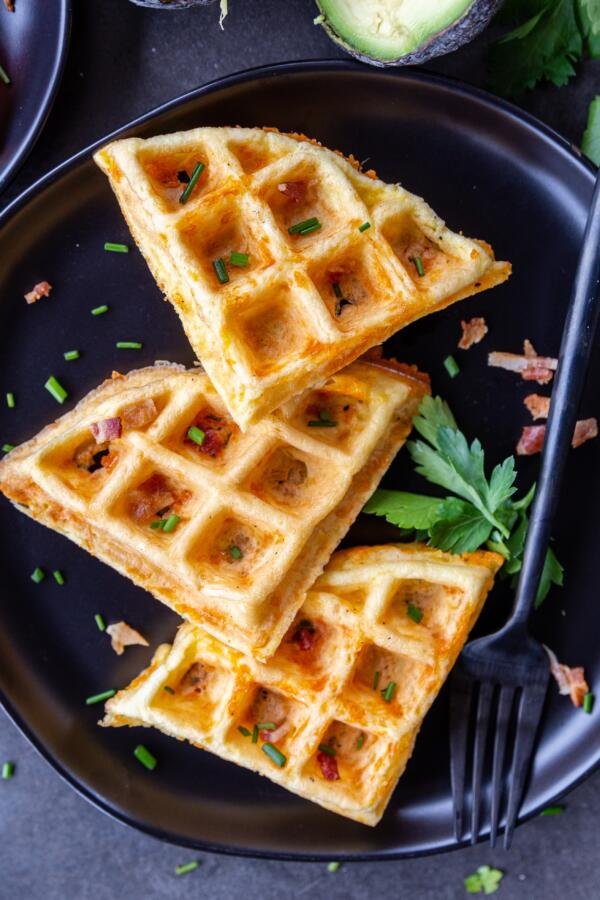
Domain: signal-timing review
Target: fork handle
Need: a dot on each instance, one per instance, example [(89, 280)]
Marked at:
[(575, 352)]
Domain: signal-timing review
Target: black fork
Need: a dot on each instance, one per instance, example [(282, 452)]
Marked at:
[(503, 678)]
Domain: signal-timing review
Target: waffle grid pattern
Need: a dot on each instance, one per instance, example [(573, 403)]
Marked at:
[(330, 694), (277, 325)]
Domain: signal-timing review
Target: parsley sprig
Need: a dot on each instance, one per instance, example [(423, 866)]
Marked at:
[(481, 512), (485, 880), (548, 37)]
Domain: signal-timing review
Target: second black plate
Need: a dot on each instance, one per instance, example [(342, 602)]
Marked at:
[(488, 170)]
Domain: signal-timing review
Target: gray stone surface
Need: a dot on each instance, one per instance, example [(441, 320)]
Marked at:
[(53, 845)]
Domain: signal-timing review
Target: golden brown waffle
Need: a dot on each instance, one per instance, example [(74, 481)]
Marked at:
[(307, 304), (346, 692), (255, 516)]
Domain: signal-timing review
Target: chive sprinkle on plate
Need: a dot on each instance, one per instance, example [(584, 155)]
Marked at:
[(588, 702), (6, 448), (143, 755), (187, 867), (116, 248), (70, 355), (10, 400), (100, 623), (38, 575), (8, 770), (58, 577), (99, 310), (333, 866), (55, 388), (451, 366), (4, 76), (129, 345), (99, 698)]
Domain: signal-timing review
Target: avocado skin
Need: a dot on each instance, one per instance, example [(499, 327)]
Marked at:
[(462, 32), (171, 4)]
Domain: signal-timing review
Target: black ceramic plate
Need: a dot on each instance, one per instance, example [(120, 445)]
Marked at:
[(33, 48), (489, 170)]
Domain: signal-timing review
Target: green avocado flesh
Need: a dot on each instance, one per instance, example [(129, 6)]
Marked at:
[(389, 29)]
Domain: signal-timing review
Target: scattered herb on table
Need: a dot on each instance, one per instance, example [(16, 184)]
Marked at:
[(591, 136), (333, 866), (187, 867), (482, 511), (8, 770), (484, 881), (552, 811)]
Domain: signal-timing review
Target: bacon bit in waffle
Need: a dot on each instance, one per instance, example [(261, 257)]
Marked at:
[(123, 635), (138, 415), (328, 765), (532, 436), (194, 680), (39, 290), (152, 496), (529, 365), (474, 330), (570, 681), (293, 190), (106, 430), (274, 735), (305, 635), (538, 406)]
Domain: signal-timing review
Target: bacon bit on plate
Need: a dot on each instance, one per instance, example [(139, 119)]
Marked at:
[(529, 365), (473, 331), (570, 681), (138, 415), (39, 290), (106, 430), (538, 406), (329, 767), (293, 190), (305, 635), (532, 436), (194, 680), (10, 5), (123, 635)]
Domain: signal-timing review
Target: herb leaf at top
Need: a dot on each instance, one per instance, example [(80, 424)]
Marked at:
[(462, 529)]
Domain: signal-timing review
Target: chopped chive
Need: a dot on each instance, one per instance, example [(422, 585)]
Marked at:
[(171, 523), (451, 366), (116, 248), (10, 400), (128, 345), (274, 754), (266, 726), (99, 698), (414, 613), (4, 76), (388, 693), (418, 264), (198, 170), (588, 702), (8, 770), (364, 226), (168, 689), (235, 552), (55, 388), (321, 423), (376, 678), (360, 740), (552, 811), (183, 177), (309, 229), (245, 732), (143, 755), (58, 576), (196, 435), (187, 867), (99, 620), (333, 866), (99, 310), (302, 227), (255, 734), (158, 523), (6, 448), (326, 749), (238, 259), (71, 355), (220, 270), (38, 575)]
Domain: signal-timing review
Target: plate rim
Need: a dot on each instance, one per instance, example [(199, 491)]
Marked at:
[(418, 75), (35, 128)]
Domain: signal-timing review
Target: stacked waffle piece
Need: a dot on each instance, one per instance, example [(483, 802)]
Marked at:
[(224, 493)]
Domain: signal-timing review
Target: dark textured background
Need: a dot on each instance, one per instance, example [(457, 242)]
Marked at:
[(123, 61)]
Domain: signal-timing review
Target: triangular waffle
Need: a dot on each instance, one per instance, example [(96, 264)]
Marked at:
[(228, 528), (346, 692), (306, 303)]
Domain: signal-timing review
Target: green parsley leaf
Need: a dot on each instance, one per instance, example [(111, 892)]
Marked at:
[(404, 510), (589, 15), (462, 530), (591, 136), (485, 880), (543, 47), (434, 413)]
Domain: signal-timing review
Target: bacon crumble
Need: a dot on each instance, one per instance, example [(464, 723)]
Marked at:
[(328, 765), (538, 406), (39, 290), (529, 365), (533, 436), (293, 190), (473, 331), (123, 635), (570, 681), (106, 430)]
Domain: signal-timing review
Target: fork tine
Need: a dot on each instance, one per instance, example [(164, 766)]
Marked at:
[(486, 691), (530, 711), (505, 702), (460, 705)]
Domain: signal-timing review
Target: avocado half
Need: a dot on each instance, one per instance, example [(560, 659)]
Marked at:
[(403, 32)]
